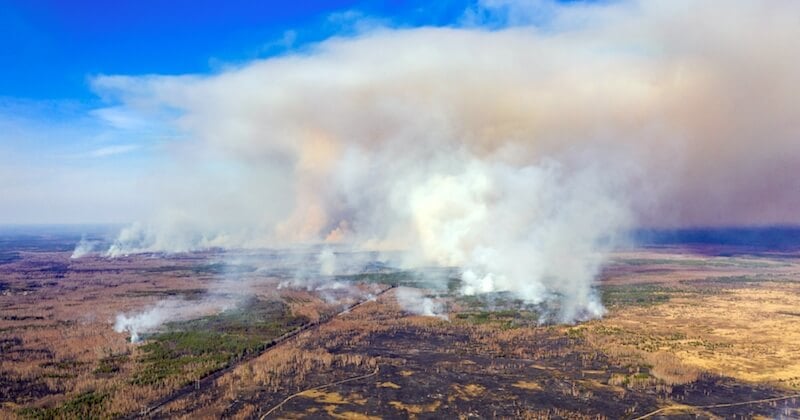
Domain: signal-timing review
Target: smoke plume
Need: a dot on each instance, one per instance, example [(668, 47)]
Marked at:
[(517, 146), (169, 310), (416, 302), (85, 247)]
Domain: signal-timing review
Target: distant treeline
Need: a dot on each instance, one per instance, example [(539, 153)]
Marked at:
[(769, 238), (52, 237)]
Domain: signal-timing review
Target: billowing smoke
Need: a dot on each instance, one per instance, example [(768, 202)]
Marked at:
[(517, 153)]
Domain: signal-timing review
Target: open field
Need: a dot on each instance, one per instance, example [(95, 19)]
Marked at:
[(685, 328)]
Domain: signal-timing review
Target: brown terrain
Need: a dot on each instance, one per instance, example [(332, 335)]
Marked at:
[(688, 334)]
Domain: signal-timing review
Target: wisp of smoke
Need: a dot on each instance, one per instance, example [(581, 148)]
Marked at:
[(327, 262), (85, 247), (171, 310), (148, 320), (416, 302)]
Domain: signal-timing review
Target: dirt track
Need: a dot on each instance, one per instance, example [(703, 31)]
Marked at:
[(684, 407), (209, 379)]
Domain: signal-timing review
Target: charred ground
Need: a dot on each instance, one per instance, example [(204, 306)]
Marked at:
[(685, 329)]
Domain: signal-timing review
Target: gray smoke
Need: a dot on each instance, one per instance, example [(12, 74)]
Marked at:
[(518, 154)]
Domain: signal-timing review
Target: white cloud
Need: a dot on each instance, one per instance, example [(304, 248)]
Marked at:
[(120, 118)]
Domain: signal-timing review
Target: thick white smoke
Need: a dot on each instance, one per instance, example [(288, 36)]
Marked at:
[(517, 154)]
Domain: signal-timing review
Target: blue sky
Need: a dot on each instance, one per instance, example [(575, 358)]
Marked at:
[(50, 49), (74, 150), (65, 155)]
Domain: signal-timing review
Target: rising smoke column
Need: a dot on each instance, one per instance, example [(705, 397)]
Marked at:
[(518, 154)]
